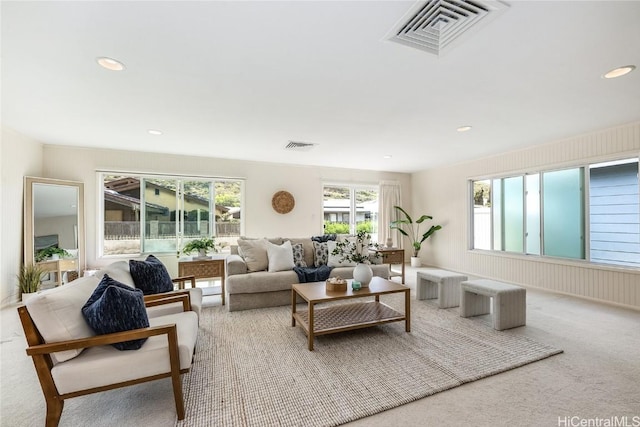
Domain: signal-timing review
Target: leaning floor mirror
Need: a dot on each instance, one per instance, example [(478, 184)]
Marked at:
[(54, 228)]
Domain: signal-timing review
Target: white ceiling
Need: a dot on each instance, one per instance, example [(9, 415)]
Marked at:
[(240, 79)]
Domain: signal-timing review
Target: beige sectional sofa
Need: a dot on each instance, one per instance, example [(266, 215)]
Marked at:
[(246, 289)]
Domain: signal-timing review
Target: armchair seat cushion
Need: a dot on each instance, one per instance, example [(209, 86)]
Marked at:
[(104, 365)]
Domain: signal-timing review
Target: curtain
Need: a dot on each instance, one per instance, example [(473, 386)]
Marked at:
[(390, 196)]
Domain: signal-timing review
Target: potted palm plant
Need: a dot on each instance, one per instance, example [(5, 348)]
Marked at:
[(29, 280), (201, 245), (408, 228)]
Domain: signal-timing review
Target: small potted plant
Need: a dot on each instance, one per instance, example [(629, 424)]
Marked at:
[(51, 252), (413, 232), (201, 245), (357, 251), (29, 280)]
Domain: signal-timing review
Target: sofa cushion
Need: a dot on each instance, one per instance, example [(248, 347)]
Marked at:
[(274, 240), (254, 253), (298, 255), (381, 270), (320, 254), (337, 260), (307, 246), (280, 257), (150, 275), (115, 307), (260, 281), (57, 313), (106, 365)]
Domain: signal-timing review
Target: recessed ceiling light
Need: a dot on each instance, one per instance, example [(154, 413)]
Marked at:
[(463, 128), (388, 156), (110, 63), (154, 132), (619, 72)]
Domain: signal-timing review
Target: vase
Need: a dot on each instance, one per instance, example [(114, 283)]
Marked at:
[(363, 274), (202, 253), (415, 261), (26, 295)]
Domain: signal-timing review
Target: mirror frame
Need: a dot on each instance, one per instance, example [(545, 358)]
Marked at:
[(29, 242)]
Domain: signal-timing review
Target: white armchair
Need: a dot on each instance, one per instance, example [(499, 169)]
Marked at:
[(70, 360)]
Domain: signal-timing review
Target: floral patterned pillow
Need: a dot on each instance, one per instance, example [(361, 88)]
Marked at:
[(321, 254), (298, 255)]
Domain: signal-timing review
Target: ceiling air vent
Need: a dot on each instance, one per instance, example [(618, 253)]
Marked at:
[(299, 146), (435, 25)]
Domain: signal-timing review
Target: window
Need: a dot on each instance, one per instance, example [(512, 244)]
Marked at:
[(545, 213), (348, 209), (159, 214), (482, 214), (614, 205), (563, 213)]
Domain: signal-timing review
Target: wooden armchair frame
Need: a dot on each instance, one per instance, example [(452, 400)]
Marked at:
[(41, 355), (181, 281)]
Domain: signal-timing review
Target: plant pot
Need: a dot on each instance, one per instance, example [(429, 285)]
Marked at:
[(26, 295), (55, 257), (202, 253), (363, 274), (415, 261)]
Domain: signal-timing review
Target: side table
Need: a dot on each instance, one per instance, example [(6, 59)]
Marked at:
[(209, 268), (393, 256), (58, 267)]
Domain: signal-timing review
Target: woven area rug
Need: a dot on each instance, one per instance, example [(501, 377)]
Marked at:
[(253, 369)]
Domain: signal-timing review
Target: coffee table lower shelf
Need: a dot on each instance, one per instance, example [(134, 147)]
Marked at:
[(346, 317)]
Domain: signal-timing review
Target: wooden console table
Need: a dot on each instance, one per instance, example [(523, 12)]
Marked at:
[(393, 256), (204, 269)]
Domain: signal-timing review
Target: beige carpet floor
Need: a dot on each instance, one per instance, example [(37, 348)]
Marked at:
[(595, 378), (265, 375)]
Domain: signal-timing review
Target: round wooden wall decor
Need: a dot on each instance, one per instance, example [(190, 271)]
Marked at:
[(283, 202)]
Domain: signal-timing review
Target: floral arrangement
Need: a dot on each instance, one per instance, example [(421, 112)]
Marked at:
[(356, 250)]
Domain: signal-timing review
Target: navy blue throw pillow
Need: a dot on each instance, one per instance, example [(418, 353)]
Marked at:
[(115, 307), (324, 238), (150, 275)]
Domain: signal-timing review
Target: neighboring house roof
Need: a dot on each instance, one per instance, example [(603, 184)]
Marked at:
[(132, 202), (344, 205), (130, 183)]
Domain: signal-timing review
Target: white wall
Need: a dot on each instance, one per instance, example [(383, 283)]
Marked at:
[(443, 193), (19, 157), (262, 180)]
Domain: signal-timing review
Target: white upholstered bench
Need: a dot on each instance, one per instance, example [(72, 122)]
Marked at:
[(441, 284), (509, 302)]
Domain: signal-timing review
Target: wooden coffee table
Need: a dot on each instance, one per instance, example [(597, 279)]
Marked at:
[(346, 317)]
